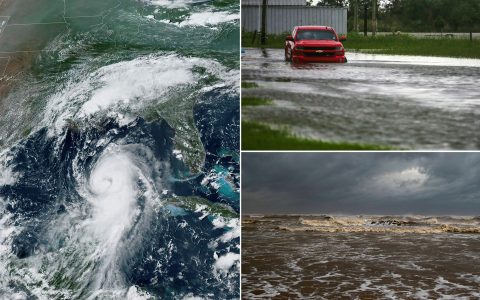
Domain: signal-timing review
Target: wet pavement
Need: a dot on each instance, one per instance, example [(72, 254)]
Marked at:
[(406, 102)]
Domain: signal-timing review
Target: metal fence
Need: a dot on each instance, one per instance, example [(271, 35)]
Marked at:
[(282, 18)]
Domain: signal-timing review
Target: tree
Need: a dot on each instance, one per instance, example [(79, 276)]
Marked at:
[(439, 23)]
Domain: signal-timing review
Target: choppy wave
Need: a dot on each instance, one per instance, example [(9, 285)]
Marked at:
[(394, 224), (360, 257)]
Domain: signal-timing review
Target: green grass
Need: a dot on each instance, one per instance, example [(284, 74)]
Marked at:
[(248, 85), (257, 136), (406, 45), (255, 101), (249, 39), (390, 44)]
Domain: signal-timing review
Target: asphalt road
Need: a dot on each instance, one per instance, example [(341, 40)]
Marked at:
[(407, 102)]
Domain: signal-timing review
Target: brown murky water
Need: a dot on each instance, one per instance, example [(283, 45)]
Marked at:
[(402, 101), (292, 257)]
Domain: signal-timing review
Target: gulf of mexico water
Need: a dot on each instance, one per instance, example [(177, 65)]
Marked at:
[(360, 257), (119, 174)]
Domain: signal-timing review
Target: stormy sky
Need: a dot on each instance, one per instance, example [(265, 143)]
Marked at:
[(361, 183)]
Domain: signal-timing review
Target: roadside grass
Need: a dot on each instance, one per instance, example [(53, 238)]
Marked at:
[(407, 45), (389, 44), (256, 136), (248, 85), (250, 39), (255, 101)]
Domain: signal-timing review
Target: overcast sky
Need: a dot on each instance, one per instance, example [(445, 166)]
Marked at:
[(361, 183)]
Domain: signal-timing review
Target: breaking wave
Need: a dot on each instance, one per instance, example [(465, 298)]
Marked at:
[(360, 257), (395, 224)]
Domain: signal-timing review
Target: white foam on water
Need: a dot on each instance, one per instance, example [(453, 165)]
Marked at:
[(471, 277), (422, 294)]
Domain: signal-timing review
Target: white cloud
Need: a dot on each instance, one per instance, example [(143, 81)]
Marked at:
[(407, 180)]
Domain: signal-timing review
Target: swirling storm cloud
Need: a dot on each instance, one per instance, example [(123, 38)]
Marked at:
[(361, 183)]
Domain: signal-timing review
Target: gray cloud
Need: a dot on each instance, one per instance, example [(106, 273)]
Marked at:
[(361, 183)]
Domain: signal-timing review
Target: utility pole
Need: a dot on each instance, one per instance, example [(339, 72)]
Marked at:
[(365, 16), (263, 34), (355, 17), (374, 17)]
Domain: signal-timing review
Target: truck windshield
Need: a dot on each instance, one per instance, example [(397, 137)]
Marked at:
[(316, 35)]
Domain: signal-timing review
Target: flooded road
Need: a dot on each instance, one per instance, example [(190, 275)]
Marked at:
[(401, 101)]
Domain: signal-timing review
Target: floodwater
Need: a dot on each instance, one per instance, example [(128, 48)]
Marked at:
[(355, 257), (406, 102)]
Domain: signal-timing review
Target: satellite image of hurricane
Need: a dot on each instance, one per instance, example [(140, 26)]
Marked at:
[(119, 138)]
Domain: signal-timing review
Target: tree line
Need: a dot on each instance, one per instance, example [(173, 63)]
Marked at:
[(416, 15)]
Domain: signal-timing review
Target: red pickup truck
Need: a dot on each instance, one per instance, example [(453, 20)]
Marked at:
[(314, 44)]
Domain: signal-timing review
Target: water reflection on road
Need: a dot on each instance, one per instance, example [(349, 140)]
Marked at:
[(402, 101)]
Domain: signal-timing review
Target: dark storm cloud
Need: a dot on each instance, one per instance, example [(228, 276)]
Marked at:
[(370, 183)]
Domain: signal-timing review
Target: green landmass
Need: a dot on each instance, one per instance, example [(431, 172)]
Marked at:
[(191, 203)]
